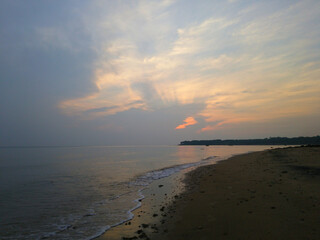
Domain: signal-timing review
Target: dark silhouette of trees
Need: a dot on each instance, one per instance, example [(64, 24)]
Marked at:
[(266, 141)]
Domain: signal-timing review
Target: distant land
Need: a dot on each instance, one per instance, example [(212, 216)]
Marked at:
[(266, 141)]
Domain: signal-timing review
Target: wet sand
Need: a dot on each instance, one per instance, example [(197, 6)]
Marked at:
[(149, 217), (273, 194)]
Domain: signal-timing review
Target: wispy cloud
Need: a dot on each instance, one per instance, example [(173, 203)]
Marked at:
[(243, 67), (187, 122)]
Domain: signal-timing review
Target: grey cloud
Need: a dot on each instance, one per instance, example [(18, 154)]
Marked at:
[(101, 109)]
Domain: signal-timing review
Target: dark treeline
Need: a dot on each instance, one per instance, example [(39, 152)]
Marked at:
[(266, 141)]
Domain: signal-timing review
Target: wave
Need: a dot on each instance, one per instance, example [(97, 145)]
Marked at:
[(149, 177), (146, 179), (94, 220)]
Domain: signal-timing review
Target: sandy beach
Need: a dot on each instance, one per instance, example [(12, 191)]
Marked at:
[(273, 194)]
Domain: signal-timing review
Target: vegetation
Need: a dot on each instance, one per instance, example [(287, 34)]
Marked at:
[(266, 141)]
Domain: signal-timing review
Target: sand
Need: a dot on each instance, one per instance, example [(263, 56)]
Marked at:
[(158, 197), (273, 194)]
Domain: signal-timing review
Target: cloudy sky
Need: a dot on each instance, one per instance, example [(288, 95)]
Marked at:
[(125, 72)]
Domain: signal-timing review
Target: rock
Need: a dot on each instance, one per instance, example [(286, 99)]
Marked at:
[(143, 235), (144, 225), (129, 238)]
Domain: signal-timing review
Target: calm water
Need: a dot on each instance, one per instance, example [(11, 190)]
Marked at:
[(80, 192)]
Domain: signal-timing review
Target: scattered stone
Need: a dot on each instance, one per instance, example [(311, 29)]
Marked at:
[(143, 235), (160, 186), (144, 225), (129, 238), (154, 227)]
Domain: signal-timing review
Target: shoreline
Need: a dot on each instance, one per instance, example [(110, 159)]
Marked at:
[(171, 187), (270, 194), (157, 197)]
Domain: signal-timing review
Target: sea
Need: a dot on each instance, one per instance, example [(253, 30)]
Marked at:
[(81, 192)]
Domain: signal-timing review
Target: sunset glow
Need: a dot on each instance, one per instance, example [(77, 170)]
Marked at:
[(254, 82), (187, 122), (228, 64)]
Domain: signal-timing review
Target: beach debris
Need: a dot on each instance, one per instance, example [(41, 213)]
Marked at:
[(129, 238), (143, 235), (155, 229), (144, 225)]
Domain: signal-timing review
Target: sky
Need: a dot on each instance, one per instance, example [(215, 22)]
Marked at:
[(123, 72)]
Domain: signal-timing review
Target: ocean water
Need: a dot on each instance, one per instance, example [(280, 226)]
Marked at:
[(81, 192)]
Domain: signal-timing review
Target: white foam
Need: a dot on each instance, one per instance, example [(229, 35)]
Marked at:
[(99, 233), (68, 224), (129, 212), (149, 177)]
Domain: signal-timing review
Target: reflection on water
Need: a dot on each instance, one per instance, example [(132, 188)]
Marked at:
[(188, 152), (80, 192)]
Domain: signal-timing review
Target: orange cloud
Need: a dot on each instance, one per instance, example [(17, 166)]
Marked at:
[(187, 122), (254, 84)]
